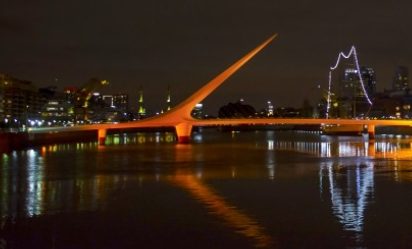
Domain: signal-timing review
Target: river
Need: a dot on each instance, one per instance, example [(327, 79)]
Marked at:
[(254, 189)]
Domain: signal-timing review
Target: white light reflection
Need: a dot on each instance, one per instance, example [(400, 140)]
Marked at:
[(344, 147), (270, 160), (270, 145), (35, 184), (198, 137), (351, 189), (325, 148)]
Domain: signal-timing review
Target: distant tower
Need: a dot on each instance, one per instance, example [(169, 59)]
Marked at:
[(401, 79), (169, 99), (269, 109), (141, 110)]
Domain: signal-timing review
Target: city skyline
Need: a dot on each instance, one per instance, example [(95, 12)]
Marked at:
[(183, 44)]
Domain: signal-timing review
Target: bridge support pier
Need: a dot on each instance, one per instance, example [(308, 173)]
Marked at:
[(101, 136), (183, 132), (371, 132)]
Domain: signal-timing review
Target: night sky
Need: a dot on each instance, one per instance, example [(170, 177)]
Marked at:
[(185, 43)]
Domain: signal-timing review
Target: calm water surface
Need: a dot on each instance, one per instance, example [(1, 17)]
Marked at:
[(266, 189)]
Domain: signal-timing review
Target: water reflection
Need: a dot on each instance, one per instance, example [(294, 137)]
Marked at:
[(216, 204), (328, 148), (141, 138), (35, 184), (393, 147), (27, 182), (26, 174), (27, 191), (350, 189), (270, 156), (31, 187)]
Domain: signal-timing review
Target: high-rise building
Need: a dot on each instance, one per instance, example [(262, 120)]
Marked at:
[(369, 79), (96, 99), (70, 94), (121, 101), (108, 99), (352, 96), (269, 109), (351, 86), (21, 100), (401, 79), (57, 111), (141, 110)]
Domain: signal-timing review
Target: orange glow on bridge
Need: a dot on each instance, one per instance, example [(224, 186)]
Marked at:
[(180, 116)]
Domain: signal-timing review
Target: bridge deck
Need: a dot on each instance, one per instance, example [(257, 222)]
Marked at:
[(222, 122)]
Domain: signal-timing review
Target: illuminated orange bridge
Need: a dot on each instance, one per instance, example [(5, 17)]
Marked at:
[(180, 116)]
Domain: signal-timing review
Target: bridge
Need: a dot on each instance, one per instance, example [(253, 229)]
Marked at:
[(180, 117)]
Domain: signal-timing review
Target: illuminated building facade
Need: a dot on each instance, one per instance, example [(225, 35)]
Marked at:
[(351, 86), (390, 105), (401, 79), (121, 101), (20, 99), (56, 112), (351, 99), (369, 78)]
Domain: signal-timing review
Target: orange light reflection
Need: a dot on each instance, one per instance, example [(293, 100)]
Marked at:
[(233, 217)]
